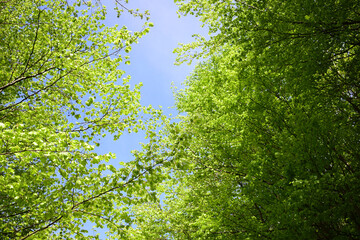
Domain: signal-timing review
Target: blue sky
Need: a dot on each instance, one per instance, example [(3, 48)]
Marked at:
[(152, 63)]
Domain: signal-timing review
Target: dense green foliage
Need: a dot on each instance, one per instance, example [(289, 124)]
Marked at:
[(268, 145), (60, 93)]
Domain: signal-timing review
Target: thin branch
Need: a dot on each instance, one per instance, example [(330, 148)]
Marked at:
[(24, 78), (33, 45), (41, 229)]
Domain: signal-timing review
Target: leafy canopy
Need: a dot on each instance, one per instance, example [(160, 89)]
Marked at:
[(61, 91), (267, 145)]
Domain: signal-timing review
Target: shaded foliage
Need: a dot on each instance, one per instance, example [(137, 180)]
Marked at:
[(268, 145)]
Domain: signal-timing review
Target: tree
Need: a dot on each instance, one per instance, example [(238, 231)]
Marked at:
[(267, 147), (60, 93)]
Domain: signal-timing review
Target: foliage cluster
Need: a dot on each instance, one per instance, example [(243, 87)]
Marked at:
[(61, 91), (268, 145)]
